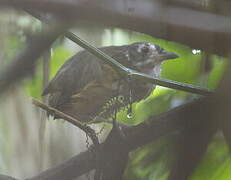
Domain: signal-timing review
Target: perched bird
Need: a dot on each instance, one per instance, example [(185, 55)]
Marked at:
[(86, 87)]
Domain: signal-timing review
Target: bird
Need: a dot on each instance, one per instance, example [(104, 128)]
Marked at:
[(86, 87)]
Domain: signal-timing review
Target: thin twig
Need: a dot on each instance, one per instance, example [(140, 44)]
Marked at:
[(134, 74), (87, 129), (136, 136), (126, 71)]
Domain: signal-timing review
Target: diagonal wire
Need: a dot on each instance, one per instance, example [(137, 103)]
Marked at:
[(126, 71)]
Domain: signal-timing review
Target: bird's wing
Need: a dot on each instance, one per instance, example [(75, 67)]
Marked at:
[(75, 74), (72, 77)]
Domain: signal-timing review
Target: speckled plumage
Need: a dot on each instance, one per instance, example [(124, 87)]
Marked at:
[(84, 84)]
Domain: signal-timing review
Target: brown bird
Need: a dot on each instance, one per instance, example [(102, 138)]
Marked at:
[(85, 87)]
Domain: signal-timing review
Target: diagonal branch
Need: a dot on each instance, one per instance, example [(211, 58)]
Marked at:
[(134, 74), (164, 124), (87, 129), (175, 120), (126, 71)]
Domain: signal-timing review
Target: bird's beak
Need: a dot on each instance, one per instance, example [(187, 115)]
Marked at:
[(165, 55)]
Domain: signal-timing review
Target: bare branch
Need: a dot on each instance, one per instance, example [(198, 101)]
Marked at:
[(74, 167), (134, 74), (194, 114), (164, 124), (87, 129), (137, 136), (126, 71)]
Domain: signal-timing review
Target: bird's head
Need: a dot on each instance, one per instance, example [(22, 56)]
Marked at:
[(144, 56)]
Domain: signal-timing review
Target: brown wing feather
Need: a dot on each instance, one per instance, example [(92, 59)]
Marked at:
[(72, 77), (76, 73)]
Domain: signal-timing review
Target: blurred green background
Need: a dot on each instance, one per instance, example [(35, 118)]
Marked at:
[(20, 121)]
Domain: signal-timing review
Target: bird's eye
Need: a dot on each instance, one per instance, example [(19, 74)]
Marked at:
[(145, 49), (161, 50)]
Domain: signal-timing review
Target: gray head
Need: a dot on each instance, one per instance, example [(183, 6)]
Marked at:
[(144, 55)]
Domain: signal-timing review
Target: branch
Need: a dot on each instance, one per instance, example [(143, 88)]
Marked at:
[(74, 167), (134, 74), (194, 114), (157, 126), (87, 129), (197, 112), (136, 136), (126, 71)]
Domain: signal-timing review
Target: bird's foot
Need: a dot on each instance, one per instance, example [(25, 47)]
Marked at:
[(118, 131)]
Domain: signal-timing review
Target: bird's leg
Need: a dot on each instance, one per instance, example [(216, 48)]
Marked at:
[(119, 158), (129, 112), (115, 126)]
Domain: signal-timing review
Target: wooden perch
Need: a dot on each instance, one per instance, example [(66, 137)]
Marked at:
[(157, 126), (126, 71), (87, 129)]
